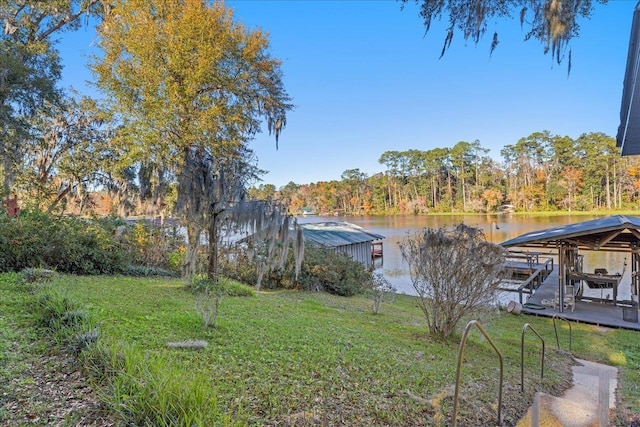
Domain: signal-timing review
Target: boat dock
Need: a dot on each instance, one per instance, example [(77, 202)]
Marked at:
[(598, 298), (585, 310)]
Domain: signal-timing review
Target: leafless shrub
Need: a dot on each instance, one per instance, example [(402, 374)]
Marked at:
[(453, 271), (208, 296), (381, 289)]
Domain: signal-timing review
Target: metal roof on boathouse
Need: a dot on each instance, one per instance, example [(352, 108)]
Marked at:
[(335, 234), (342, 237)]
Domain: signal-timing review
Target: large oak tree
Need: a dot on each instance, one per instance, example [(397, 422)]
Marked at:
[(191, 88)]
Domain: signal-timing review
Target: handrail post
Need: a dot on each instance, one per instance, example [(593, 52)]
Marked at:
[(553, 318), (463, 342), (524, 329)]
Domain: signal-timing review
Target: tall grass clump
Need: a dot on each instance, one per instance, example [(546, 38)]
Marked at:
[(145, 389), (63, 319)]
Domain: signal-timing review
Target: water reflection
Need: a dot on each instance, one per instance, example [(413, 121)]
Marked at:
[(497, 228)]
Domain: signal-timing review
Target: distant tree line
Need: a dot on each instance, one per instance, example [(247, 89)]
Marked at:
[(540, 172)]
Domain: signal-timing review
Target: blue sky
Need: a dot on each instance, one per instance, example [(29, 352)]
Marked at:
[(365, 79)]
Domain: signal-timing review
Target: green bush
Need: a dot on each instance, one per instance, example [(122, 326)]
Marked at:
[(37, 240), (334, 272), (144, 271), (156, 247), (176, 259), (322, 269), (233, 288), (224, 286), (64, 244), (238, 266)]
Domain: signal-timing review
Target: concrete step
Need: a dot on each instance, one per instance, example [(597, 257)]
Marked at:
[(585, 404), (560, 412)]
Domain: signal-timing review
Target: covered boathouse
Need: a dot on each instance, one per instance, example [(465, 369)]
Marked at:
[(562, 291), (342, 237)]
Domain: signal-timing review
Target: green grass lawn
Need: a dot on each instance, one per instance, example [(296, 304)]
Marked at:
[(302, 358)]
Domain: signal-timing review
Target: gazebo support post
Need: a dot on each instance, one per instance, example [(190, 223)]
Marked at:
[(562, 275), (635, 270), (567, 260)]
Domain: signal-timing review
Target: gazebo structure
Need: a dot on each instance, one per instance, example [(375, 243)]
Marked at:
[(614, 233)]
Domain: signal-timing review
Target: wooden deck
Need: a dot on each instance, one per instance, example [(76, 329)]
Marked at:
[(595, 312)]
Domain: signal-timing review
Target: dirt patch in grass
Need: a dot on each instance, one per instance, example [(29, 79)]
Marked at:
[(50, 390), (37, 388)]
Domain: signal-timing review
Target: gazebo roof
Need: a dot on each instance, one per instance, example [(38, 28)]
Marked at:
[(614, 233)]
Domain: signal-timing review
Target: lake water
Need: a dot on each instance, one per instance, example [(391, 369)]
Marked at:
[(497, 228)]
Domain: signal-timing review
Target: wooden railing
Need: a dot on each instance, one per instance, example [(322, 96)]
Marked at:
[(537, 272)]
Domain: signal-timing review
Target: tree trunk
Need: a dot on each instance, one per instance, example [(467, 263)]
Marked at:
[(615, 188), (434, 194), (607, 187), (464, 197), (212, 269), (191, 257)]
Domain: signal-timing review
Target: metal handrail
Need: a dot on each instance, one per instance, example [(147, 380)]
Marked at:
[(524, 329), (555, 329), (463, 342)]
